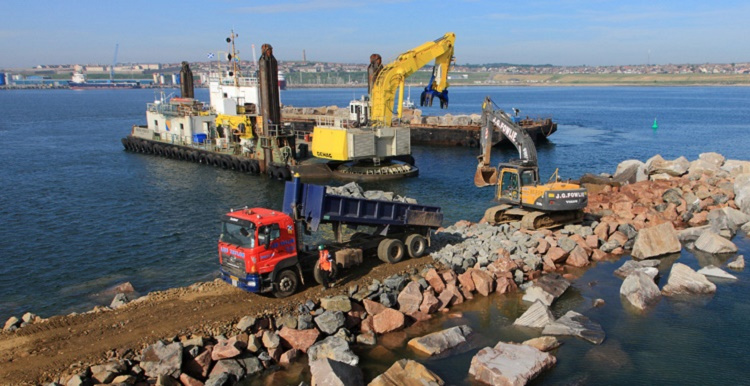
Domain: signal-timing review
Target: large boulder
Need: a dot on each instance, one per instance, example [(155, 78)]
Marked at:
[(575, 324), (713, 243), (333, 347), (543, 343), (441, 341), (509, 364), (716, 272), (683, 280), (546, 289), (336, 303), (407, 372), (658, 165), (656, 241), (736, 167), (631, 266), (410, 298), (713, 158), (329, 372), (742, 192), (640, 290), (388, 320), (537, 316), (299, 339), (630, 171), (162, 359), (330, 321)]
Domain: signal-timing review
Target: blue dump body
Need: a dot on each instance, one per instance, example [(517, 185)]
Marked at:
[(315, 207)]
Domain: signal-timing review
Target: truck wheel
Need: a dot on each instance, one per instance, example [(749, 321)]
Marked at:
[(391, 250), (318, 273), (416, 245), (286, 284)]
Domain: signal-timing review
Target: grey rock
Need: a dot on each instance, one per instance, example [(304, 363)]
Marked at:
[(335, 348), (509, 364), (119, 300), (713, 243), (367, 338), (333, 373), (738, 263), (11, 324), (628, 230), (537, 316), (271, 339), (388, 299), (575, 324), (286, 320), (640, 290), (250, 363), (631, 266), (28, 317), (221, 379), (441, 341), (330, 321), (713, 271), (396, 282), (713, 158), (624, 171), (683, 280), (336, 303), (245, 323), (658, 165), (304, 321), (546, 289), (673, 196), (254, 344), (162, 359), (566, 243), (691, 234), (610, 246), (228, 366)]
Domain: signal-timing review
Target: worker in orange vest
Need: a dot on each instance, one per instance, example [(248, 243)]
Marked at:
[(325, 262)]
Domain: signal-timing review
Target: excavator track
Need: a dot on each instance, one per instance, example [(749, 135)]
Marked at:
[(531, 219)]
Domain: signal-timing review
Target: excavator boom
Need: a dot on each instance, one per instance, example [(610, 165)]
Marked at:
[(486, 174), (393, 75)]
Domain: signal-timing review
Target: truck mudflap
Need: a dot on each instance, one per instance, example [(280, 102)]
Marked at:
[(250, 283)]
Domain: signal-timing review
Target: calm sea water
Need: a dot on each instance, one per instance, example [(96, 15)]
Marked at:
[(80, 215)]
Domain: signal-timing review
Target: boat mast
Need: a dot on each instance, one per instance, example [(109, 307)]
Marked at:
[(233, 57)]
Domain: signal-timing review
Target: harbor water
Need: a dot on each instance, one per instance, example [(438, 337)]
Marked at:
[(80, 215)]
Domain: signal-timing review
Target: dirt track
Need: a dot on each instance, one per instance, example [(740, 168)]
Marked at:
[(42, 352)]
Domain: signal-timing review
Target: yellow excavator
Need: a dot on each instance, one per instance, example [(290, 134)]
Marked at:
[(371, 136), (519, 191)]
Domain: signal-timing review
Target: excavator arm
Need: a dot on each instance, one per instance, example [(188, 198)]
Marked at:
[(492, 119), (393, 75)]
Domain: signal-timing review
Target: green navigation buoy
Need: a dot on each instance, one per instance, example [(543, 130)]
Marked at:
[(656, 125)]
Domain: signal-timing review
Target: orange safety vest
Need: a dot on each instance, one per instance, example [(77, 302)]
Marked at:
[(324, 260)]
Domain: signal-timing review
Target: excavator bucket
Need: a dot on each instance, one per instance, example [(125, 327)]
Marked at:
[(485, 176)]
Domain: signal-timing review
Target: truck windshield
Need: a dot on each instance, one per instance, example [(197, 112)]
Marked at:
[(238, 234)]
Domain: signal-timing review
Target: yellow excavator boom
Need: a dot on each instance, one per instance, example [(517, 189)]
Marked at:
[(393, 75)]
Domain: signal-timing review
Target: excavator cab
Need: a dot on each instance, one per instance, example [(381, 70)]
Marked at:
[(509, 186)]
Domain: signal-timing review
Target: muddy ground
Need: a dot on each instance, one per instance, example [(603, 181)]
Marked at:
[(42, 352)]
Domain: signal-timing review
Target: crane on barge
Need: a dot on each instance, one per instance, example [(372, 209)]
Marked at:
[(367, 147)]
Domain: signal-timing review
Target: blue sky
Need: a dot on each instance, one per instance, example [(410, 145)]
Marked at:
[(565, 32)]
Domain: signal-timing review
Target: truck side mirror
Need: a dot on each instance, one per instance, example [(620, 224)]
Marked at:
[(267, 237)]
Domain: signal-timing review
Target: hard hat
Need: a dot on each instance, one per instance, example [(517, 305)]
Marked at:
[(321, 247)]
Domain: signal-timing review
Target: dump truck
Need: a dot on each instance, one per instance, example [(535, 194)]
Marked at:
[(268, 251)]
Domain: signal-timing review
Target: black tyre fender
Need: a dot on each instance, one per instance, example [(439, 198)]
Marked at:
[(391, 250), (416, 245), (285, 284), (216, 161), (286, 175), (254, 167), (174, 153), (125, 143), (181, 154), (147, 147), (202, 158), (235, 163), (192, 156), (318, 273), (209, 159), (245, 166), (225, 163)]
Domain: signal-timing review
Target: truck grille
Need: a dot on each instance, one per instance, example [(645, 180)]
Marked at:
[(233, 266)]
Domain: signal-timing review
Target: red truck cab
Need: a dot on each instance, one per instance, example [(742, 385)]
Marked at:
[(258, 251)]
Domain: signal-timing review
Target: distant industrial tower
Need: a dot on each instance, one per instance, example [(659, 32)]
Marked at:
[(304, 56)]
